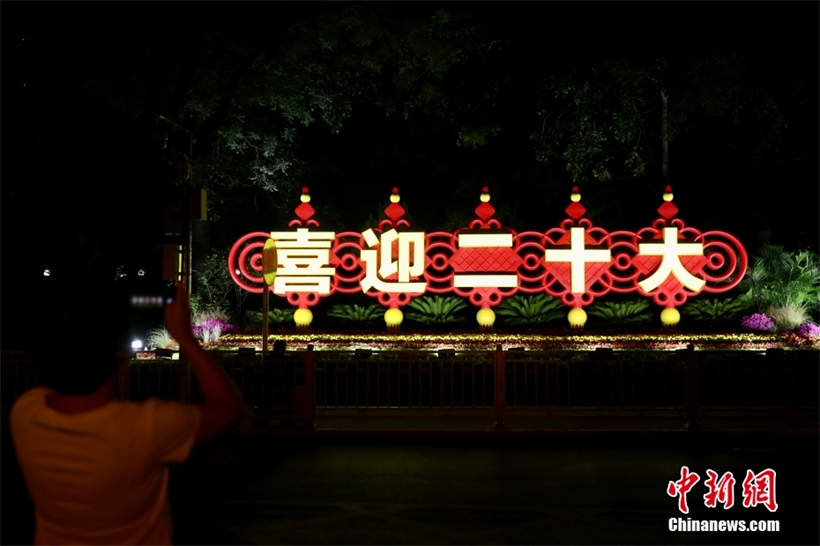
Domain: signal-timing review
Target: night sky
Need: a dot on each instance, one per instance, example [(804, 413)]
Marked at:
[(76, 160)]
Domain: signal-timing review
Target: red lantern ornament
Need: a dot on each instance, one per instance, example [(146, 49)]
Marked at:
[(675, 262), (393, 261), (577, 259), (484, 264)]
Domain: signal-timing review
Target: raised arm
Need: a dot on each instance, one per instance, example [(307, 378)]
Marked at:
[(222, 404)]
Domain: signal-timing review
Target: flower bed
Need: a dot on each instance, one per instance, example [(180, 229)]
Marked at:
[(488, 341)]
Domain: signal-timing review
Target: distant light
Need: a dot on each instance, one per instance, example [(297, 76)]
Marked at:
[(46, 272), (136, 345), (141, 273), (123, 275)]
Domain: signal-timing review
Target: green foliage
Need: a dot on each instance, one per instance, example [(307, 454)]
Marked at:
[(591, 120), (357, 313), (622, 312), (521, 310), (779, 278), (786, 317), (255, 111), (603, 121), (277, 315), (476, 137), (716, 310), (212, 285), (436, 309)]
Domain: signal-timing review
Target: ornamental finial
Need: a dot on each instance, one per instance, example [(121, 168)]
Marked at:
[(668, 209), (305, 210), (394, 211), (575, 209), (485, 210)]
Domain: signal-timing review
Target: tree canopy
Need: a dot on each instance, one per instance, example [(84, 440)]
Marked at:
[(437, 98)]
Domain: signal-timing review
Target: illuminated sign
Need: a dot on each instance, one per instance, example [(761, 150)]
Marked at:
[(486, 262)]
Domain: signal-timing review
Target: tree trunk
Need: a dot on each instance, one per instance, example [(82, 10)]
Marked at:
[(665, 135)]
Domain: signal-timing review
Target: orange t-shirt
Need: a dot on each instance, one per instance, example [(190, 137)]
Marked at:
[(100, 477)]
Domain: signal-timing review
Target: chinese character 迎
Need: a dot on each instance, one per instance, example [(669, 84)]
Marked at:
[(408, 249)]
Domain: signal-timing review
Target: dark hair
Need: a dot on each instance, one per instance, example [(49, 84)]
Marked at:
[(83, 351), (84, 326)]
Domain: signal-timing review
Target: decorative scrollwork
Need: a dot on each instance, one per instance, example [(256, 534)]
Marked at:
[(245, 261)]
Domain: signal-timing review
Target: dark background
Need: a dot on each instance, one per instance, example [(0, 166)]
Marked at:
[(80, 169)]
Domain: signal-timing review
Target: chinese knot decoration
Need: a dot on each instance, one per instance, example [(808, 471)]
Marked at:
[(486, 262)]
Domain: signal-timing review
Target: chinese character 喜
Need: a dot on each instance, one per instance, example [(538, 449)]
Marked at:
[(303, 257)]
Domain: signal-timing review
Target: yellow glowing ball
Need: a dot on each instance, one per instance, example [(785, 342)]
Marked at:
[(393, 317), (395, 198), (303, 317), (269, 261), (670, 316), (577, 317), (485, 317), (575, 197), (485, 198), (668, 196), (305, 198)]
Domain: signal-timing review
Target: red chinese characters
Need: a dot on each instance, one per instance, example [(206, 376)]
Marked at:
[(760, 489), (721, 490), (681, 487), (757, 489)]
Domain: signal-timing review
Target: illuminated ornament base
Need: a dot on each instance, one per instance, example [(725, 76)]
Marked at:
[(577, 317), (393, 317), (670, 316), (485, 317), (303, 317)]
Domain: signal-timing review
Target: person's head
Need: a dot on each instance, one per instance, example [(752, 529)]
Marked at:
[(84, 325)]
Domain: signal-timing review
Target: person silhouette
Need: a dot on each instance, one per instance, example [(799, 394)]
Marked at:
[(97, 468)]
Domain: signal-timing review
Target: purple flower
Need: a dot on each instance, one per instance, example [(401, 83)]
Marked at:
[(757, 322), (210, 329), (808, 330)]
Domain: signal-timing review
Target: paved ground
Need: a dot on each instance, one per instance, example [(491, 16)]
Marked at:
[(465, 488), (468, 490)]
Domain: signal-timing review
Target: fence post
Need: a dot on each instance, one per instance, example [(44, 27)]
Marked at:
[(304, 394), (690, 371), (500, 387)]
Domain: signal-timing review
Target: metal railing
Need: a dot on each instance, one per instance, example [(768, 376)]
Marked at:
[(500, 387)]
